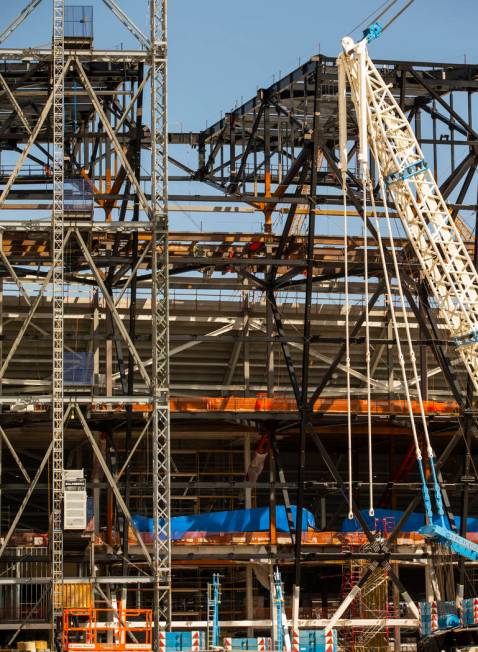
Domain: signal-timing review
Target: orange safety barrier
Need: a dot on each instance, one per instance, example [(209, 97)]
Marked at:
[(114, 630)]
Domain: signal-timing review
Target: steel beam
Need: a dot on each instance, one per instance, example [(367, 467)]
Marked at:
[(18, 20)]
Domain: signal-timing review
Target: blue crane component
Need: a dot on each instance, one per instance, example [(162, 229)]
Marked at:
[(459, 545), (407, 172), (441, 532), (213, 602), (372, 32), (278, 601), (471, 338)]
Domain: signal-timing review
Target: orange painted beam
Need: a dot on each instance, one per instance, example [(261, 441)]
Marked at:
[(327, 405), (331, 405)]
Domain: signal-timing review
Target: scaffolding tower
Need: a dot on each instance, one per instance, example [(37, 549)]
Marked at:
[(79, 82)]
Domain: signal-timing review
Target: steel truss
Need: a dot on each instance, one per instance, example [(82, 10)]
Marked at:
[(160, 314), (58, 314)]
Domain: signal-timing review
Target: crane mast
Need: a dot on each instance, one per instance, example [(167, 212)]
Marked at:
[(444, 260)]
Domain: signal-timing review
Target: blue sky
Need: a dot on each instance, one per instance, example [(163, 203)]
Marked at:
[(221, 51)]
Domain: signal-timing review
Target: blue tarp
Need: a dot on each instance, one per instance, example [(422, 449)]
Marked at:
[(237, 520), (413, 523)]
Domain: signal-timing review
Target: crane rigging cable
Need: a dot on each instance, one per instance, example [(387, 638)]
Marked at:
[(383, 9), (399, 13), (343, 166), (365, 174), (347, 360), (371, 509), (444, 260), (385, 6), (401, 356), (411, 356)]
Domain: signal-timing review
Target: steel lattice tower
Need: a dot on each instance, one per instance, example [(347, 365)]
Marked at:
[(58, 244), (160, 313)]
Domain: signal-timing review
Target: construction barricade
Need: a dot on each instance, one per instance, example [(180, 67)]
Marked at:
[(469, 612), (437, 615), (428, 618), (193, 641), (317, 640)]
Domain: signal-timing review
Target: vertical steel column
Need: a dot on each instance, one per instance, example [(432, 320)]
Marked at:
[(232, 146), (304, 396), (267, 168), (57, 289), (160, 317), (132, 310)]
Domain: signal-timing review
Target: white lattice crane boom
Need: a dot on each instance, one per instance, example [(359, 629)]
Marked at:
[(436, 240)]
